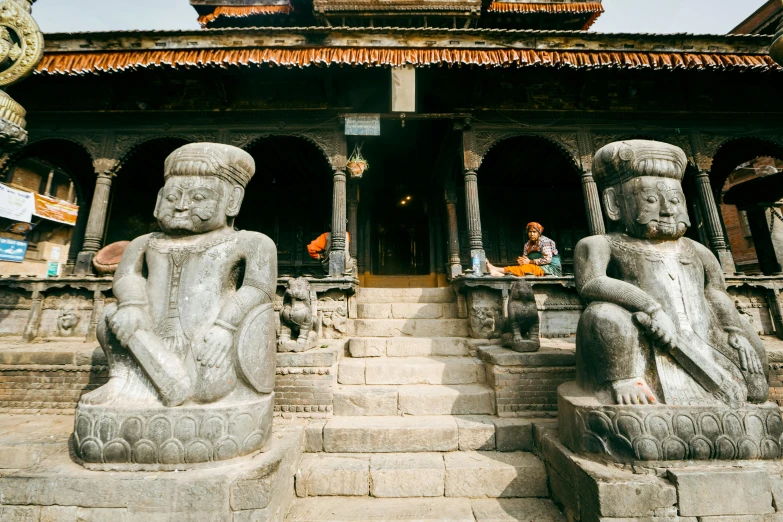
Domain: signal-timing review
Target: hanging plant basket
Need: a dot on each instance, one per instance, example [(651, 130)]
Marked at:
[(357, 165)]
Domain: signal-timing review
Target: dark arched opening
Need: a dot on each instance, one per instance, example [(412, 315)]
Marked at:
[(289, 199), (58, 169), (523, 179)]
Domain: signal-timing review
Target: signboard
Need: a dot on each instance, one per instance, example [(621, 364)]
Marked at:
[(55, 209), (55, 253), (12, 250), (362, 124), (16, 204), (53, 269)]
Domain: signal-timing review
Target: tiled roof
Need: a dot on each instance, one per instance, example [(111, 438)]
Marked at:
[(243, 11), (78, 63), (591, 9)]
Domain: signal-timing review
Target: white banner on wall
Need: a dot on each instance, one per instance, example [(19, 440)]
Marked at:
[(16, 204)]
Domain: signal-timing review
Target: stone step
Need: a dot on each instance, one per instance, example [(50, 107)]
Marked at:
[(339, 509), (464, 399), (396, 433), (411, 370), (408, 346), (408, 327), (406, 310), (405, 295), (423, 474)]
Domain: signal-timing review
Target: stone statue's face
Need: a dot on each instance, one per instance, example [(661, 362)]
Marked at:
[(192, 204), (654, 208)]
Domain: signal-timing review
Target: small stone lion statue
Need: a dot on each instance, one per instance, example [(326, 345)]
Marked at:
[(297, 318), (521, 328)]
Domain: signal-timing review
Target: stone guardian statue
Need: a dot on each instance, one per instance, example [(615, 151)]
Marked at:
[(660, 336), (191, 340)]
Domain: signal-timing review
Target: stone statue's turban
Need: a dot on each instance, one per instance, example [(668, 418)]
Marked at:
[(211, 159), (621, 161)]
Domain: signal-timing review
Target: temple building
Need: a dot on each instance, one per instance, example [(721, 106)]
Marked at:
[(423, 137)]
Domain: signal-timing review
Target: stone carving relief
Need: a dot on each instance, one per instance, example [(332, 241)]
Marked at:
[(297, 317), (67, 321), (191, 340), (332, 316), (485, 314), (21, 42)]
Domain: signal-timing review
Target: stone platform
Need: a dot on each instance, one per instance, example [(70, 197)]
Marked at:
[(665, 432), (257, 487), (592, 489)]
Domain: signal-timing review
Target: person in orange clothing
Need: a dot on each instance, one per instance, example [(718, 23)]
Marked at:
[(321, 246), (539, 257)]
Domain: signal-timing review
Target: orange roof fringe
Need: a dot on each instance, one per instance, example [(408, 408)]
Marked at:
[(238, 12), (570, 8), (76, 63)]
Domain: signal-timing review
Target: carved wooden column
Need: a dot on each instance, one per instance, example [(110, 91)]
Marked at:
[(712, 222), (474, 221), (595, 216), (454, 264), (353, 225), (337, 255), (96, 222)]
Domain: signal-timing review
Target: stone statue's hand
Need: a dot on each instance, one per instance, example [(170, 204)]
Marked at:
[(658, 326), (217, 347), (749, 359), (126, 321)]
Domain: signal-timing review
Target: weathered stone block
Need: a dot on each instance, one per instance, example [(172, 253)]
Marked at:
[(476, 433), (333, 475), (390, 434), (397, 475), (365, 400), (425, 347), (367, 347), (491, 474), (463, 399), (411, 327), (514, 510), (421, 370), (705, 492), (314, 436), (364, 509), (513, 434), (351, 371), (544, 357)]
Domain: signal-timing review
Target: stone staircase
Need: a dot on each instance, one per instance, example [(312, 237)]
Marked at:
[(414, 434)]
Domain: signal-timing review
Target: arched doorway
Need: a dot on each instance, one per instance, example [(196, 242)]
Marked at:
[(745, 173), (524, 179), (289, 199), (62, 170)]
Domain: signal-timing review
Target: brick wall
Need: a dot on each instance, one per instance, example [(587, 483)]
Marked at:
[(525, 390), (48, 389)]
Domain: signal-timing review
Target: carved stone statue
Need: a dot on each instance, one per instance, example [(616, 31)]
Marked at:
[(521, 327), (191, 341), (297, 318), (660, 337)]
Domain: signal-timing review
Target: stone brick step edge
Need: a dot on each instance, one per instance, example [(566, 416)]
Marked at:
[(421, 433)]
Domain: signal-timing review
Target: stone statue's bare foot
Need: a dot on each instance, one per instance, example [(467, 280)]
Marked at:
[(633, 391), (106, 393)]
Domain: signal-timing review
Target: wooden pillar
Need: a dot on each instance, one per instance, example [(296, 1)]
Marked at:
[(337, 253), (712, 222), (454, 267), (353, 216), (96, 222), (477, 255), (595, 217), (762, 240)]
